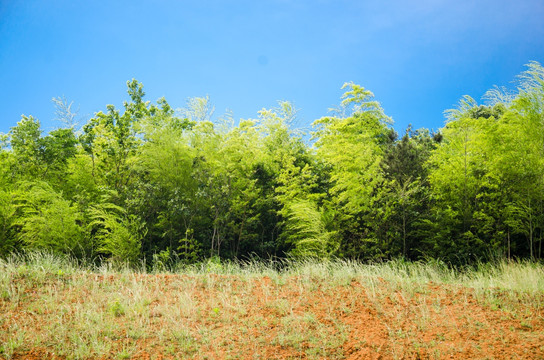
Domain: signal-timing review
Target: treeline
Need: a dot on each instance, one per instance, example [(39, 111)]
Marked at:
[(150, 183)]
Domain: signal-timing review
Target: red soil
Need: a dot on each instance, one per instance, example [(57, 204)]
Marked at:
[(294, 318)]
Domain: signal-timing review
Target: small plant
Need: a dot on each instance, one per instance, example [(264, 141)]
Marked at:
[(126, 352), (185, 341), (8, 348), (282, 306), (525, 325), (213, 265), (117, 309)]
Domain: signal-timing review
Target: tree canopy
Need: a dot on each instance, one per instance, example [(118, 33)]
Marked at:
[(147, 182)]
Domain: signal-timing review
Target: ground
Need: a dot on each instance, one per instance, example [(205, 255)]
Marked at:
[(85, 315)]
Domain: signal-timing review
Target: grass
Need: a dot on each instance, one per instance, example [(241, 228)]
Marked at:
[(53, 306)]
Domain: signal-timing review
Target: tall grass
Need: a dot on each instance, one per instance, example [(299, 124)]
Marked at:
[(506, 277), (520, 276)]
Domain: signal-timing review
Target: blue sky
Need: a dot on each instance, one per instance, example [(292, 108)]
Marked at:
[(418, 57)]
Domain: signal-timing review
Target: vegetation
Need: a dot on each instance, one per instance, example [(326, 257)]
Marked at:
[(151, 184), (54, 307)]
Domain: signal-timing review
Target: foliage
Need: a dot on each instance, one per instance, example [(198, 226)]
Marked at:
[(151, 184), (7, 219), (118, 234), (46, 221), (309, 228)]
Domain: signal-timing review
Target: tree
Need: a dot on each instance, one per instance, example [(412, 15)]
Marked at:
[(519, 167), (353, 147), (460, 184), (25, 143), (165, 194), (407, 187), (111, 139), (46, 221), (8, 235), (310, 230), (65, 112), (118, 234)]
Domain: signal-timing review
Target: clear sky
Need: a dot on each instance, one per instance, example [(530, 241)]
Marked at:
[(418, 57)]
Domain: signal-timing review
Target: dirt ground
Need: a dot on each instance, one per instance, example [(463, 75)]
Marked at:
[(222, 317)]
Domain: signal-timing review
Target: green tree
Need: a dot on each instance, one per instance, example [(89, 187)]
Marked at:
[(8, 238), (26, 147), (117, 233), (165, 195), (47, 221), (353, 146), (407, 187), (311, 230), (518, 166), (111, 139), (460, 183)]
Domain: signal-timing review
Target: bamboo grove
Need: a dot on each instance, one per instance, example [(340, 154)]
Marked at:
[(154, 184)]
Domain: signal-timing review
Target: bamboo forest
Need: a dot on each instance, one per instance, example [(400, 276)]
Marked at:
[(151, 183)]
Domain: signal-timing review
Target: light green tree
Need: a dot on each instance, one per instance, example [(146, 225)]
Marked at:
[(118, 234), (352, 146), (46, 221)]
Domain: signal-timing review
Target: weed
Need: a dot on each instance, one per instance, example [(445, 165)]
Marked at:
[(128, 350), (117, 309), (124, 354), (5, 295), (13, 343), (282, 306), (526, 326)]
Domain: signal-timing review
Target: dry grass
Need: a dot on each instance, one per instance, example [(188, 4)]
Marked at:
[(52, 308)]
